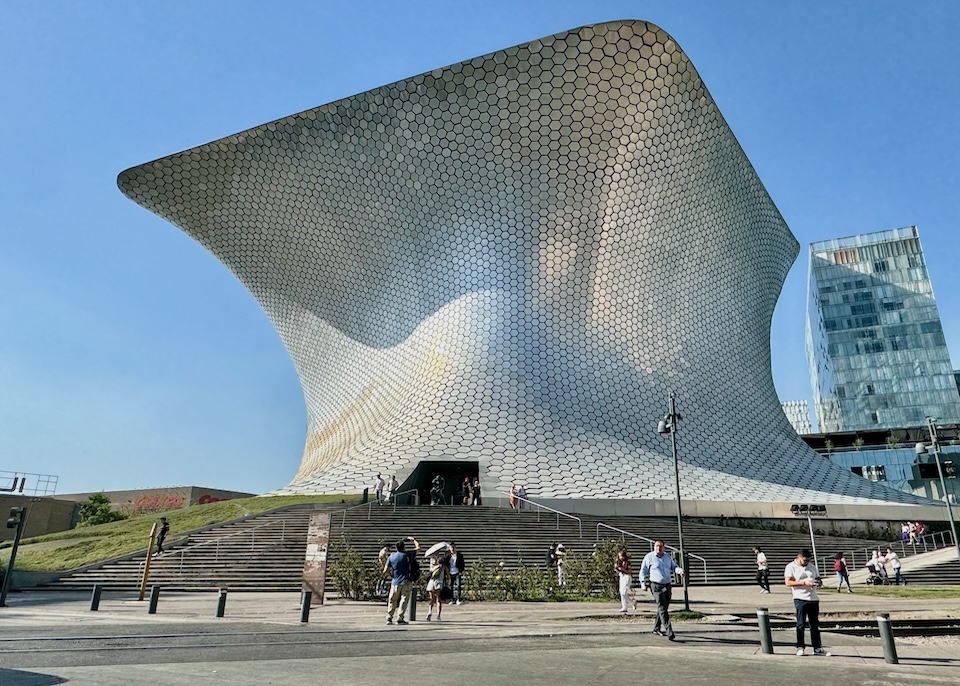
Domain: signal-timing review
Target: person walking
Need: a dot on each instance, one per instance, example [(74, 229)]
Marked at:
[(457, 568), (378, 485), (512, 500), (801, 577), (657, 570), (521, 496), (392, 487), (763, 570), (438, 578), (398, 568), (894, 561), (162, 535), (624, 569), (843, 574), (477, 501)]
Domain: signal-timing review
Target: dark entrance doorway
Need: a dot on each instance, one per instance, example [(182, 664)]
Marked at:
[(453, 474)]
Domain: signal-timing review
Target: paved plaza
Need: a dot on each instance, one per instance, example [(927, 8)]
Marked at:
[(53, 638)]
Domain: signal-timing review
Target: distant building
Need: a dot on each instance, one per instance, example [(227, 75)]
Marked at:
[(875, 346), (887, 457), (798, 412)]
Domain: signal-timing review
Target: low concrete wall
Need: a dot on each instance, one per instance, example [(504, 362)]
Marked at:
[(44, 515), (843, 515)]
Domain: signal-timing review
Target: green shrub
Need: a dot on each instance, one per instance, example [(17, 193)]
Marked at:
[(352, 577)]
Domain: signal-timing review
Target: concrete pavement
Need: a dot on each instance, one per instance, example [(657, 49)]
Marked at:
[(51, 638)]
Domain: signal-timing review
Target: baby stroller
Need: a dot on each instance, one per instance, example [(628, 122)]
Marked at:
[(875, 578)]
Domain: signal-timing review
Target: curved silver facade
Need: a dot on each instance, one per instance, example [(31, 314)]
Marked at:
[(513, 260)]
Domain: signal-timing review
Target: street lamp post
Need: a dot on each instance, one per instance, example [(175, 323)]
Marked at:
[(921, 449), (668, 425)]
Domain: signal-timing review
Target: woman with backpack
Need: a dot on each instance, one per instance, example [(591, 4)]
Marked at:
[(843, 575)]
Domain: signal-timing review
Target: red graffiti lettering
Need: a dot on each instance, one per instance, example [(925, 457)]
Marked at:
[(204, 499)]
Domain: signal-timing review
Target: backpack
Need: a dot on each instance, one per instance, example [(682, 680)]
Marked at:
[(838, 565), (414, 573)]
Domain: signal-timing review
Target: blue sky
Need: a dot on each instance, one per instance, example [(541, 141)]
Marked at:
[(130, 358)]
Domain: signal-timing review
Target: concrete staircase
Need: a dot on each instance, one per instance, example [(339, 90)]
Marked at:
[(265, 552)]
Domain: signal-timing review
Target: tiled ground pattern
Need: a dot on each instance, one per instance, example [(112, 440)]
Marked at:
[(514, 260)]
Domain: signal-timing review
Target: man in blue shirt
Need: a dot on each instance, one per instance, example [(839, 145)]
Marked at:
[(398, 568), (657, 570)]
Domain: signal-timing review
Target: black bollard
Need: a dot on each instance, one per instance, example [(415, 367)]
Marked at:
[(305, 599), (221, 602), (766, 639), (154, 599), (95, 598), (886, 636), (412, 605)]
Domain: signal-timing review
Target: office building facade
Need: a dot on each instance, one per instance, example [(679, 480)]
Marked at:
[(875, 346)]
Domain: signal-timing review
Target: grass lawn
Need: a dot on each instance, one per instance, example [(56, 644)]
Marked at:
[(911, 591), (90, 544)]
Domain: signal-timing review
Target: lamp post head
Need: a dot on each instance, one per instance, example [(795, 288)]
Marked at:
[(665, 426), (920, 448)]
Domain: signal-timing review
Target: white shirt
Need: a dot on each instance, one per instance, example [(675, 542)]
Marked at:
[(893, 559), (797, 573), (761, 561)]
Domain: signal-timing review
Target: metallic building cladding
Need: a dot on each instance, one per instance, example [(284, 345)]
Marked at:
[(513, 260)]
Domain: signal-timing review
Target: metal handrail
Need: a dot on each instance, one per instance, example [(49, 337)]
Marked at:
[(220, 539), (651, 541), (927, 541), (544, 507)]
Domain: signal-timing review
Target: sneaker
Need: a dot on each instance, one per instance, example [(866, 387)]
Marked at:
[(821, 651), (428, 618), (401, 621), (389, 621), (849, 590), (657, 632), (672, 637), (799, 652), (622, 612), (459, 602)]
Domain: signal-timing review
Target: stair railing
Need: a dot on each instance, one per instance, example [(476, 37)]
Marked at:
[(548, 509), (252, 533), (928, 542), (650, 541), (369, 506)]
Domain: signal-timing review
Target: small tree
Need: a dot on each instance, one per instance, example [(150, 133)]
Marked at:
[(858, 443), (893, 441), (96, 510)]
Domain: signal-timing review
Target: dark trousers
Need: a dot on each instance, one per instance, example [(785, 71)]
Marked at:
[(456, 582), (662, 593), (808, 611), (763, 579), (160, 540)]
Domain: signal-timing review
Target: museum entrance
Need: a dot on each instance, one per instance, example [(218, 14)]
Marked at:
[(452, 474)]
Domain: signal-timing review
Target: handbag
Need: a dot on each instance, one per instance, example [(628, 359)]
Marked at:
[(446, 593)]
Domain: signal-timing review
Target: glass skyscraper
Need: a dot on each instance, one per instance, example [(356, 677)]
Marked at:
[(875, 346)]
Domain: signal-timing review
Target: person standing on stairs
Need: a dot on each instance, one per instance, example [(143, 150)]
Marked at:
[(378, 485)]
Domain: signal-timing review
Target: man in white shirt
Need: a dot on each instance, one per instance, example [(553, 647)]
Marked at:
[(378, 484), (763, 571), (894, 561), (802, 579), (657, 570)]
